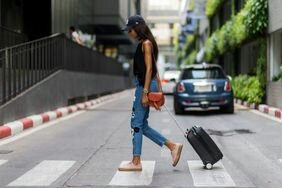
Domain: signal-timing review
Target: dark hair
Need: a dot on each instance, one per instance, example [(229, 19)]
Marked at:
[(144, 32), (72, 28)]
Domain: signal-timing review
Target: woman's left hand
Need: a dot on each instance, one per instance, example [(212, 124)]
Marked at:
[(145, 101)]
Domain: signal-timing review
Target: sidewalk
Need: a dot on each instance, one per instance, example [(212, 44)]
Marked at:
[(269, 110), (18, 126)]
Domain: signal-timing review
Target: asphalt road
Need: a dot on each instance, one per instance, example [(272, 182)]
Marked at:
[(86, 148)]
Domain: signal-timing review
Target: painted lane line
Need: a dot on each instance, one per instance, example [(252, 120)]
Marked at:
[(142, 178), (3, 162), (43, 174), (280, 160), (217, 177)]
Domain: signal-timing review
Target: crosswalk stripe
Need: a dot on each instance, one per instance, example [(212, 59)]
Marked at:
[(43, 174), (3, 162), (217, 177), (141, 178)]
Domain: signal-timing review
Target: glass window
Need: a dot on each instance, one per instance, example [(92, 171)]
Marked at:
[(211, 73)]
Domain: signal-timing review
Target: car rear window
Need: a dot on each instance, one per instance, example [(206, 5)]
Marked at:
[(207, 73)]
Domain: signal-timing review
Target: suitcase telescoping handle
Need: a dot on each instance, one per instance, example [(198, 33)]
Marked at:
[(179, 127), (208, 165), (176, 123)]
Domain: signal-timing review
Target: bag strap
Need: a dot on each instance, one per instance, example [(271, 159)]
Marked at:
[(160, 89)]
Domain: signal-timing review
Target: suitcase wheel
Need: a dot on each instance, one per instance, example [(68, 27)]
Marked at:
[(208, 166)]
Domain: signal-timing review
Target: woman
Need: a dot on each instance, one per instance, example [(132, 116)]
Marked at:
[(145, 71)]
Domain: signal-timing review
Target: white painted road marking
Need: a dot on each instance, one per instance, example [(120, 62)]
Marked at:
[(217, 177), (2, 162), (280, 160), (135, 178), (43, 174)]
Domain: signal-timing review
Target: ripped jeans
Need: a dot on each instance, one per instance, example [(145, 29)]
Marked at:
[(139, 121)]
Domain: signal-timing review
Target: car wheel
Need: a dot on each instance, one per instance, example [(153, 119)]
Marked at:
[(177, 109), (228, 109)]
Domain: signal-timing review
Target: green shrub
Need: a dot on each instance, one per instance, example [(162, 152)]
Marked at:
[(211, 50), (257, 16), (191, 58), (248, 88), (252, 20), (278, 78), (212, 6), (261, 62), (238, 33)]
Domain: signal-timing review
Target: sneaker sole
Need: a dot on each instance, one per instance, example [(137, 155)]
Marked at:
[(178, 155)]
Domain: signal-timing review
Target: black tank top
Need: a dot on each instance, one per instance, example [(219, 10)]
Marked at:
[(139, 66)]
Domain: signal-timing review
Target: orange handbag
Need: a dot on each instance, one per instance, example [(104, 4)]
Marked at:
[(157, 99)]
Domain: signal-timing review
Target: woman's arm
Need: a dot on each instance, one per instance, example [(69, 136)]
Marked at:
[(147, 49)]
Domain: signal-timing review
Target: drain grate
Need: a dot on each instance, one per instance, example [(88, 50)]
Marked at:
[(5, 151)]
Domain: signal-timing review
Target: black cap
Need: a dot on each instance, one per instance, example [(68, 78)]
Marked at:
[(133, 21)]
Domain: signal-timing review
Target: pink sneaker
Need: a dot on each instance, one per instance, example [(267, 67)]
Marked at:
[(175, 153), (130, 167)]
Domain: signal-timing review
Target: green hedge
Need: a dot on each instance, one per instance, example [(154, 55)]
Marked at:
[(250, 22), (212, 6), (248, 88), (278, 78), (191, 58)]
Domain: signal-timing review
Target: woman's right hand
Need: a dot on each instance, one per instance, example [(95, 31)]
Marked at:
[(145, 100)]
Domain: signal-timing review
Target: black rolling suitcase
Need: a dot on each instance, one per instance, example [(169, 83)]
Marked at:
[(204, 146)]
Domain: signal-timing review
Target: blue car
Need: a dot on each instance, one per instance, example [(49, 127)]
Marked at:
[(203, 85)]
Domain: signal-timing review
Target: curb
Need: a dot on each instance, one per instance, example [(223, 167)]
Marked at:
[(272, 111), (16, 127)]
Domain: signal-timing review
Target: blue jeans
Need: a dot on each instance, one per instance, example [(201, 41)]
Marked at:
[(139, 121)]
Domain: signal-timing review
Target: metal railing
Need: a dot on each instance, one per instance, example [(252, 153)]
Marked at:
[(24, 65), (10, 38)]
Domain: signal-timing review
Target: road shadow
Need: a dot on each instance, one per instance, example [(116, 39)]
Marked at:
[(229, 132)]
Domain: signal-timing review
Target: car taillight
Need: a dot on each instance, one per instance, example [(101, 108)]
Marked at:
[(164, 81), (227, 86), (180, 87)]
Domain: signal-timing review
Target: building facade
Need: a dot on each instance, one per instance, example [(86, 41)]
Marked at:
[(163, 18), (274, 71), (24, 20)]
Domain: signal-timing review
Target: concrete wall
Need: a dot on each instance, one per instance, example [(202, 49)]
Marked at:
[(274, 91), (56, 91), (275, 15)]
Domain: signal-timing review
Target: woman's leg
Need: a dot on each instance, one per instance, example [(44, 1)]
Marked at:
[(137, 123)]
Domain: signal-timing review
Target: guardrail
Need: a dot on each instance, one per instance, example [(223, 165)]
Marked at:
[(24, 65), (9, 37)]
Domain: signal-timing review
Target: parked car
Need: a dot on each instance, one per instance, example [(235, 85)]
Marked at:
[(203, 85), (170, 77)]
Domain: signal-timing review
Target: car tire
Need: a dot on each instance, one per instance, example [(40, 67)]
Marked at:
[(177, 109), (228, 109)]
